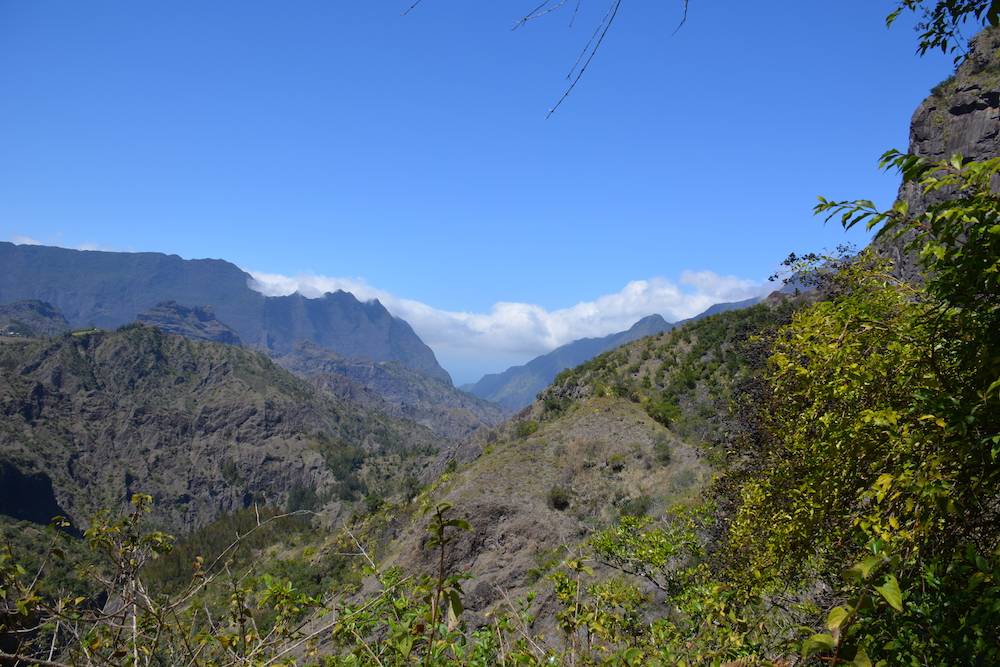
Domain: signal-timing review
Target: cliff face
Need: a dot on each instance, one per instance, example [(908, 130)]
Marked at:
[(962, 115), (88, 419), (198, 323), (393, 389), (110, 289), (31, 318)]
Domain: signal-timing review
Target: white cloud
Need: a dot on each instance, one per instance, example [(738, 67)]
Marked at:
[(89, 245), (523, 330), (21, 239)]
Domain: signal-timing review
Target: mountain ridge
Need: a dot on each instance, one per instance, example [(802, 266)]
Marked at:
[(110, 289), (517, 387)]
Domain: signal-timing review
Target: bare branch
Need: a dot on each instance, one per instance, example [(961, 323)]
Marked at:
[(603, 30)]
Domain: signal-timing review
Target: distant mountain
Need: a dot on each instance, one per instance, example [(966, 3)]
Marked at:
[(90, 418), (724, 307), (31, 318), (517, 386), (198, 323), (109, 289), (393, 389)]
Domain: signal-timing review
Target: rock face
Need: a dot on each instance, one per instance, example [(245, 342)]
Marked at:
[(198, 323), (110, 289), (31, 318), (392, 388), (517, 386), (205, 428), (962, 115)]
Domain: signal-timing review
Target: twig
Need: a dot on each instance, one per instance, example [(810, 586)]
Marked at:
[(603, 31)]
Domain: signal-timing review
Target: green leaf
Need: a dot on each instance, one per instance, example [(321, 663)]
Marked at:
[(818, 643), (890, 591), (861, 659), (861, 571), (836, 617)]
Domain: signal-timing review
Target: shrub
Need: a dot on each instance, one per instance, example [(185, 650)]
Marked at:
[(664, 411), (302, 497), (559, 498), (662, 450), (526, 428), (638, 506)]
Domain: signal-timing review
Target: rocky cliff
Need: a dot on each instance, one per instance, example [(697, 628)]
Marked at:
[(961, 116), (198, 323), (393, 389), (87, 419)]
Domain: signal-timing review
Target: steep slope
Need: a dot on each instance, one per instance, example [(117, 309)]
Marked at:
[(205, 428), (632, 431), (393, 389), (198, 323), (517, 386), (31, 318), (110, 289)]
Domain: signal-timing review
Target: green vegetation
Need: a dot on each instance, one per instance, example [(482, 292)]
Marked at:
[(858, 525), (662, 451), (526, 428), (692, 374), (638, 506), (854, 518)]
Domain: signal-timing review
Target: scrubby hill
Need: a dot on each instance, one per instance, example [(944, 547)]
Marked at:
[(517, 387), (206, 428), (633, 431)]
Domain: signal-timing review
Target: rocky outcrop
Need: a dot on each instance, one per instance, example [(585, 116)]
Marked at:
[(961, 116), (392, 388), (203, 427), (111, 289), (31, 318), (198, 323)]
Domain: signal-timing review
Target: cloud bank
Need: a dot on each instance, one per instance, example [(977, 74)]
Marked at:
[(516, 332)]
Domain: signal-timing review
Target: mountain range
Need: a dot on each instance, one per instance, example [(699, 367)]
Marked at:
[(110, 289)]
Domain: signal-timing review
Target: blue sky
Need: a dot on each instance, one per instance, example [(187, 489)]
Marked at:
[(329, 143)]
